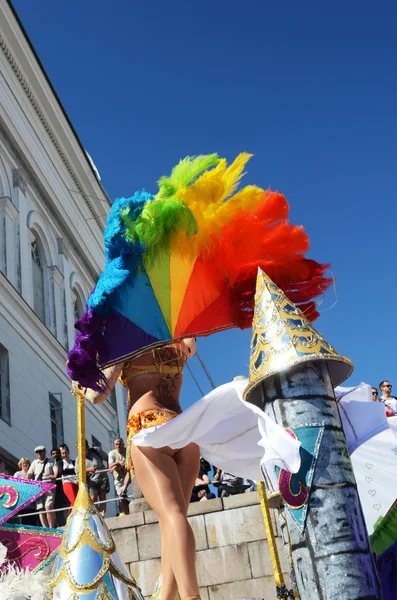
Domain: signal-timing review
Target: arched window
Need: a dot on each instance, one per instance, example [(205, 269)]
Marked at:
[(38, 281), (78, 306)]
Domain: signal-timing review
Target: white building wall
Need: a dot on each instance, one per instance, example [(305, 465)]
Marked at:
[(48, 191)]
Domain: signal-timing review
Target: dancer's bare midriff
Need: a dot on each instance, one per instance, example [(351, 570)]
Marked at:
[(152, 390)]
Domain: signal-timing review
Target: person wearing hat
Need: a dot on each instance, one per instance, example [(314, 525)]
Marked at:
[(41, 469)]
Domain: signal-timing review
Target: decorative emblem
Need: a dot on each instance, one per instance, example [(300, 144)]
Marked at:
[(17, 493), (11, 492), (30, 547), (295, 488), (283, 337)]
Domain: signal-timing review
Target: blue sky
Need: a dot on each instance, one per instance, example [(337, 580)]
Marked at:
[(309, 88)]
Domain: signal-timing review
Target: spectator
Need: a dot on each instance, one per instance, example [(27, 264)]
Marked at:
[(97, 478), (202, 496), (202, 482), (41, 469), (68, 473), (60, 498), (251, 485), (231, 485), (121, 476), (23, 466), (374, 394), (388, 400)]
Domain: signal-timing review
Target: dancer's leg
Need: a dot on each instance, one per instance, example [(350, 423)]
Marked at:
[(188, 463), (158, 477)]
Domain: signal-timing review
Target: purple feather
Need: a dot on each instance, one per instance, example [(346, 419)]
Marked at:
[(83, 359)]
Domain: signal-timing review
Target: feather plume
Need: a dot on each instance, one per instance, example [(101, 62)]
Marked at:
[(184, 173)]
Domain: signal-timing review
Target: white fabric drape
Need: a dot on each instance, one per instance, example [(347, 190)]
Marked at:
[(234, 435)]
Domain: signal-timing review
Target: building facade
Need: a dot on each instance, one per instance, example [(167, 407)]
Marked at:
[(52, 216)]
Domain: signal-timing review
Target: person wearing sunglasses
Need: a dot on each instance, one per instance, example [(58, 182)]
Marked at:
[(374, 395), (388, 400)]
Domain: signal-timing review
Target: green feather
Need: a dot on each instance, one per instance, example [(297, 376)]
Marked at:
[(184, 173)]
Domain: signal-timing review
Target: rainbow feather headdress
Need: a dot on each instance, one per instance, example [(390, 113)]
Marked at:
[(184, 263)]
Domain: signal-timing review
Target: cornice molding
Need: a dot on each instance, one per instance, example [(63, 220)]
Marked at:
[(31, 180), (41, 115)]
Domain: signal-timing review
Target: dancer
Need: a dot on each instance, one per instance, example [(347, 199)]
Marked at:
[(179, 265), (165, 476)]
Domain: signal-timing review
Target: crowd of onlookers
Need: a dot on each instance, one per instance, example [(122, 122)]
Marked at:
[(389, 401), (53, 506), (60, 469), (225, 484)]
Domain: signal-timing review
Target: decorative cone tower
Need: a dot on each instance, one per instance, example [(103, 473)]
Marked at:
[(293, 371), (88, 565)]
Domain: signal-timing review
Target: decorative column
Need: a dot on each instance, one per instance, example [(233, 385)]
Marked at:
[(293, 371), (56, 287), (9, 240), (25, 284)]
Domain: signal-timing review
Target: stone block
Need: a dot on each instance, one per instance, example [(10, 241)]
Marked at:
[(223, 565), (139, 505), (150, 517), (260, 558), (146, 573), (149, 541), (198, 525), (204, 594), (235, 526), (125, 540), (240, 500), (254, 589), (125, 521), (201, 508), (149, 537)]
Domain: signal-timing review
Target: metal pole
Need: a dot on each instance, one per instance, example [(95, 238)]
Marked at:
[(282, 592), (81, 438)]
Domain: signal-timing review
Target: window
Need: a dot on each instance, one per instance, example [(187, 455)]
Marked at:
[(56, 420), (38, 281), (5, 408), (78, 308)]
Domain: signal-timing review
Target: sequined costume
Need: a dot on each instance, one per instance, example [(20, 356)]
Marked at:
[(145, 420)]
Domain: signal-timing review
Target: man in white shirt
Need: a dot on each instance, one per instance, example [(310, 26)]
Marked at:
[(388, 400), (116, 460), (41, 469)]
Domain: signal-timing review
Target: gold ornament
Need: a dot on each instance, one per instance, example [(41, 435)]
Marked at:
[(282, 338)]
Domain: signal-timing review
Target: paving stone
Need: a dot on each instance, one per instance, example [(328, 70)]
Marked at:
[(126, 521), (198, 525), (125, 540), (149, 541), (201, 508), (260, 558), (250, 589), (150, 517), (239, 500), (235, 526), (204, 594), (149, 538), (222, 565), (139, 505), (146, 573)]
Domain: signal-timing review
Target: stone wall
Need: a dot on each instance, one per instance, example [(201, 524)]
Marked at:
[(233, 559)]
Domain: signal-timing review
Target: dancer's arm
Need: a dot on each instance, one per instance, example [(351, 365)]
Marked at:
[(111, 374)]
